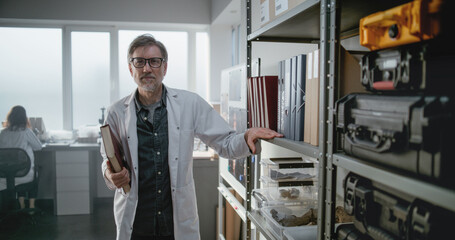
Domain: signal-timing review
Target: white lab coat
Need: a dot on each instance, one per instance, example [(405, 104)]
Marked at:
[(188, 116)]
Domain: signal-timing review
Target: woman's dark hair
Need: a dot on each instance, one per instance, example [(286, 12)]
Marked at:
[(16, 118)]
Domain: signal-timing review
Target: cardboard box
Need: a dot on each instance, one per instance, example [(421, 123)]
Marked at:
[(268, 10), (282, 6)]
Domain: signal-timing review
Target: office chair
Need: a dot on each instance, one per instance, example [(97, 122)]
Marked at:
[(14, 162)]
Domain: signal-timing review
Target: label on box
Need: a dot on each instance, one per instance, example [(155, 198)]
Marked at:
[(281, 6), (265, 16)]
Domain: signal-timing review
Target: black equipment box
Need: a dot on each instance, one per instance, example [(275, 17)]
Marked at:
[(411, 133), (384, 213), (421, 67)]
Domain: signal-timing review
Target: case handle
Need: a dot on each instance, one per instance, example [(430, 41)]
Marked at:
[(382, 142)]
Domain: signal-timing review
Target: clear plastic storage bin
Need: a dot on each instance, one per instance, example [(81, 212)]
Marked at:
[(284, 195), (303, 232), (289, 169), (267, 182), (280, 218)]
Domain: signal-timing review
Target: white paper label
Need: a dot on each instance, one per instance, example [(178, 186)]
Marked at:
[(281, 6), (265, 17)]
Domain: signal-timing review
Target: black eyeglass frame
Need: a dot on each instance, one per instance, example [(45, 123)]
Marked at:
[(149, 60)]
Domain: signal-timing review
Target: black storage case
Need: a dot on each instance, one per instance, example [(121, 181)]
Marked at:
[(348, 231), (421, 67), (411, 133), (384, 213)]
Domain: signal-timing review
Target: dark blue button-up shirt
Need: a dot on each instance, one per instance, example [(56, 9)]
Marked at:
[(154, 210)]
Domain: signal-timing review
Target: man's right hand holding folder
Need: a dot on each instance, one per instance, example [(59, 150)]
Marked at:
[(119, 179)]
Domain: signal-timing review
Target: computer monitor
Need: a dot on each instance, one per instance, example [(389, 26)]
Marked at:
[(37, 125)]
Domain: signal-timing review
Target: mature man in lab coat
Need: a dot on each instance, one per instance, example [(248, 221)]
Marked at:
[(156, 126)]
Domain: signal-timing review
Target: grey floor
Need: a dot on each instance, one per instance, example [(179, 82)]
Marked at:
[(46, 226)]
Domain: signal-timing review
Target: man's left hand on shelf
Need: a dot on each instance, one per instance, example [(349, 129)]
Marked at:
[(253, 134)]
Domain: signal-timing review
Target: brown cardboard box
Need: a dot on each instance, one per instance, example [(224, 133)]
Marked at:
[(233, 220), (282, 6), (314, 98), (237, 220), (217, 222), (349, 74), (266, 10), (308, 85)]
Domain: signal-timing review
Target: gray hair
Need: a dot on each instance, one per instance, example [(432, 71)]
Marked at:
[(146, 40)]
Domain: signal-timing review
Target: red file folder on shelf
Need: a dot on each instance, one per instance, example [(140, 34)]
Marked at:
[(263, 98)]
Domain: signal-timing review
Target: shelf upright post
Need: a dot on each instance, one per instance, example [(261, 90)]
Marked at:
[(323, 49), (248, 179), (328, 60)]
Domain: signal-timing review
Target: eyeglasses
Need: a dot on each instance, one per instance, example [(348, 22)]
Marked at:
[(153, 62)]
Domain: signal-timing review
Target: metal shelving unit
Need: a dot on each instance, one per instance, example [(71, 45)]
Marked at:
[(326, 22), (306, 16)]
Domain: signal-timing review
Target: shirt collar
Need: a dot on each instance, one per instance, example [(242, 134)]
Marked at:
[(139, 105)]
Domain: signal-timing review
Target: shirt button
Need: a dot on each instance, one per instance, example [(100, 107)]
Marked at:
[(159, 213), (176, 158), (159, 173), (156, 134), (145, 118), (158, 153), (159, 191)]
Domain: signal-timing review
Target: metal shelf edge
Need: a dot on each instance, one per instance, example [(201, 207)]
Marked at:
[(232, 200), (300, 147), (257, 220), (415, 187), (283, 18)]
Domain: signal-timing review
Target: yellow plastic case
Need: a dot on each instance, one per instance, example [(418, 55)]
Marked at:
[(408, 23)]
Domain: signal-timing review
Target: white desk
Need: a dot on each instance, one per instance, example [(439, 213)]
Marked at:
[(69, 176)]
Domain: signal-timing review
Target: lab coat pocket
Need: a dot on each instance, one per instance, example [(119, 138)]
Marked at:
[(185, 199)]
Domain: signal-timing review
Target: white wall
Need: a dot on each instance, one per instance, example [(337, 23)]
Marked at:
[(220, 57), (218, 6), (167, 11), (271, 53), (221, 41)]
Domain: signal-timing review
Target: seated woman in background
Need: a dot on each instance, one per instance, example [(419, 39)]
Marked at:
[(18, 134)]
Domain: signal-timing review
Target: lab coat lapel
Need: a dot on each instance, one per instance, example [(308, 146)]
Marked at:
[(131, 131), (173, 115)]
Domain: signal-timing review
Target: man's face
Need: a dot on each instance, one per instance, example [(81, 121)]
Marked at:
[(148, 78)]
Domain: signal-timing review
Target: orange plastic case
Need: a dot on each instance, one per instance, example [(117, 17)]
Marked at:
[(408, 23)]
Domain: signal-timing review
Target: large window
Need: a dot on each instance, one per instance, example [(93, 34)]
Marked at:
[(90, 70), (202, 64), (31, 73), (66, 74), (177, 48)]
